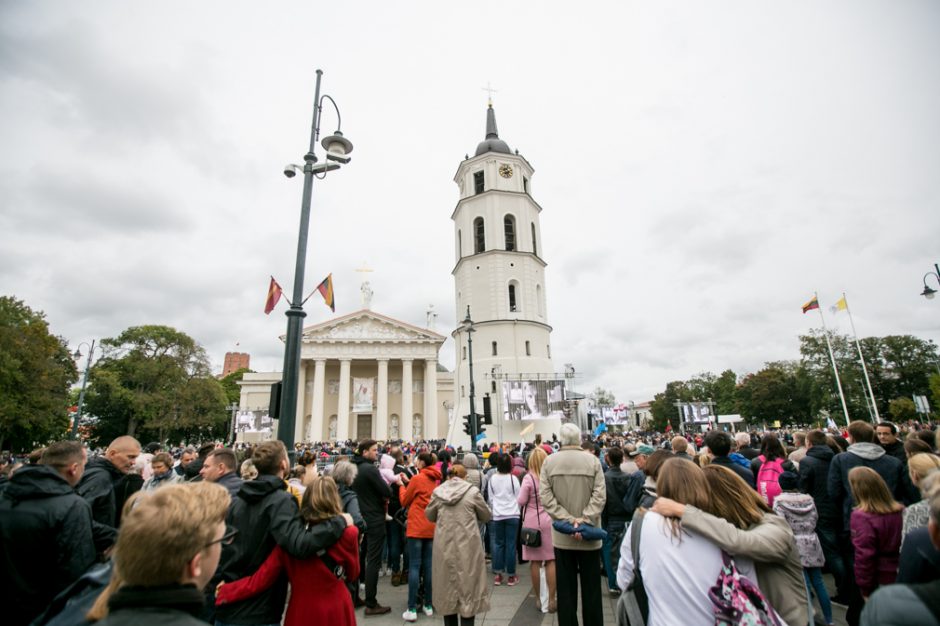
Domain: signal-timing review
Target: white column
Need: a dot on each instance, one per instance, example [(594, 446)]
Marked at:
[(407, 398), (342, 409), (430, 399), (319, 393), (381, 401), (299, 434)]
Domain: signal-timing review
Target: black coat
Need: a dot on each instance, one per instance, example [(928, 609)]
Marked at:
[(372, 490), (155, 606), (896, 450), (231, 481), (106, 489), (862, 455), (266, 515), (814, 480), (740, 470), (617, 482), (920, 560), (46, 541)]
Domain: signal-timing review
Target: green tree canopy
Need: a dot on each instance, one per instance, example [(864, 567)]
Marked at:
[(36, 372), (154, 382)]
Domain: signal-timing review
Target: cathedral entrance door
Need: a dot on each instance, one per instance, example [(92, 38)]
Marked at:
[(364, 426)]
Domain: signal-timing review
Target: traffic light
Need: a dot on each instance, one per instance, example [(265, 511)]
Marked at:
[(467, 428), (487, 412), (468, 425)]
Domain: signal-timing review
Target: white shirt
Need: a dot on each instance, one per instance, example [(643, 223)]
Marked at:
[(677, 575), (502, 490)]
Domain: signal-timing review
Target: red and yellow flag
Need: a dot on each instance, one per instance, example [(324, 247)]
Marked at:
[(812, 304), (326, 290), (274, 294)]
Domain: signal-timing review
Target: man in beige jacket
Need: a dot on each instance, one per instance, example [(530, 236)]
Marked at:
[(572, 490)]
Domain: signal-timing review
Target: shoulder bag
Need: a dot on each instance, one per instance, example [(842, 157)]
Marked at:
[(532, 537)]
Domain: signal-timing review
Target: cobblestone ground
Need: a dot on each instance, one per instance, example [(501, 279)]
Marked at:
[(511, 606)]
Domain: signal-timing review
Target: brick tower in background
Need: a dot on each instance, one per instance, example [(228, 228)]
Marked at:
[(235, 361)]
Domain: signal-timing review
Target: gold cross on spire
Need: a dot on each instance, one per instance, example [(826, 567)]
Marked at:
[(490, 91)]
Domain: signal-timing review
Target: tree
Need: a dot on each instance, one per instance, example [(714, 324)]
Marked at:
[(233, 392), (154, 382), (775, 393), (935, 393), (603, 397), (36, 372), (663, 406), (902, 409)]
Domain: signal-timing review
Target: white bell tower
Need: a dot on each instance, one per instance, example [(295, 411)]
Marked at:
[(500, 275)]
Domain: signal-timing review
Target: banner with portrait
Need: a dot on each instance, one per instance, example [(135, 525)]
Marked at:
[(253, 422), (696, 413), (533, 399), (363, 392)]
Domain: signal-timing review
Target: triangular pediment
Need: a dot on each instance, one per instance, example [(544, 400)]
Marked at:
[(368, 327)]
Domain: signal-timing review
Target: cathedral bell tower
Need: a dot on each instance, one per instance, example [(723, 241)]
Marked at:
[(500, 275)]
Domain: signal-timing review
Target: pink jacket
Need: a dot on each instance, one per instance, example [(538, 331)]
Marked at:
[(877, 542)]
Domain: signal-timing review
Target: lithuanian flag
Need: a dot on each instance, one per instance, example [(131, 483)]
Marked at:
[(812, 304), (274, 294), (326, 290)]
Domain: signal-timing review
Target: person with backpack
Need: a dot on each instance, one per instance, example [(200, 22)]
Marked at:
[(768, 466), (799, 510)]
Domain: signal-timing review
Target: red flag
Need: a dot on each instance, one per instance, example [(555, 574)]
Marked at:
[(326, 290), (668, 428), (274, 294)]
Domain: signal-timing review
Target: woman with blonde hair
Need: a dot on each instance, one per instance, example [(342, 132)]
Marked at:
[(876, 530), (534, 516), (920, 466), (678, 593), (738, 520), (316, 587)]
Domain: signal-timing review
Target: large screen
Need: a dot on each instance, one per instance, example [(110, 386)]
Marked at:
[(533, 399), (696, 412)]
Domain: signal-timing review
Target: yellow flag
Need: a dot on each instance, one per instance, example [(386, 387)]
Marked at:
[(841, 305)]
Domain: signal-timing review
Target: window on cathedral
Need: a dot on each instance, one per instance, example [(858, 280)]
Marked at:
[(509, 230), (512, 298), (528, 348), (478, 182), (494, 348), (479, 236), (535, 249), (525, 184)]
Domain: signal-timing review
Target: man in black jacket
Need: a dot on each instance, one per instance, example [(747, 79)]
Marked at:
[(46, 539), (887, 434), (265, 515), (108, 481), (719, 447), (373, 494), (615, 517), (814, 480), (219, 467)]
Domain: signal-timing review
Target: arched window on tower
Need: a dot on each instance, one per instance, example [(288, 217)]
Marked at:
[(459, 245), (513, 301), (509, 230), (535, 246), (479, 236)]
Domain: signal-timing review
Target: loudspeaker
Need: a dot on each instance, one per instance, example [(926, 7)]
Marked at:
[(274, 405)]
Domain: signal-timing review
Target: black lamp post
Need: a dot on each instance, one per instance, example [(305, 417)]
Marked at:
[(81, 396), (468, 328), (929, 292), (337, 148)]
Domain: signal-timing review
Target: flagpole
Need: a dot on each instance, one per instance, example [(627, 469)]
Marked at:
[(871, 394), (832, 359)]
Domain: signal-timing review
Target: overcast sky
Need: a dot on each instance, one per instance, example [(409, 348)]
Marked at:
[(703, 167)]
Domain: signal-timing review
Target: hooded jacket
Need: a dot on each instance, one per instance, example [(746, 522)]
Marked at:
[(150, 606), (459, 582), (862, 455), (45, 540), (372, 490), (877, 541), (814, 480), (416, 498), (617, 483), (800, 512), (106, 489), (266, 515)]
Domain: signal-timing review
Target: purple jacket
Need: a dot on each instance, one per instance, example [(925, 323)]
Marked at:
[(877, 542)]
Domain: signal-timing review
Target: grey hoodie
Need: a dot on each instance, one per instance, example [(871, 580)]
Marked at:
[(868, 451)]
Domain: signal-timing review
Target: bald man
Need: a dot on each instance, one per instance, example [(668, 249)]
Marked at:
[(110, 480)]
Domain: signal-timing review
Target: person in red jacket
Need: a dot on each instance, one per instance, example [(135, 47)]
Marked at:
[(315, 587), (420, 533), (876, 530)]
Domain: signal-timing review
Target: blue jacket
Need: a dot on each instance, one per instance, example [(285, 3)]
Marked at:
[(862, 455), (588, 532)]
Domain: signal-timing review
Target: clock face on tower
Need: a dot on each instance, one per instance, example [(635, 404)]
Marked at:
[(505, 170)]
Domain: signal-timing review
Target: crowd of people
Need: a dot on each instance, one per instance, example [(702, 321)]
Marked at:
[(714, 527)]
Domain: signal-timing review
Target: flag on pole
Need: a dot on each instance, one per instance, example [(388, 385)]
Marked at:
[(841, 305), (274, 294), (600, 428), (812, 304), (326, 290), (831, 423)]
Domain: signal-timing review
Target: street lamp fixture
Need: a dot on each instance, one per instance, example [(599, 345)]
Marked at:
[(81, 396), (928, 291), (337, 151), (467, 327)]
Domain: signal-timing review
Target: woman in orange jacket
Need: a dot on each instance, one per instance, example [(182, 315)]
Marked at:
[(420, 533)]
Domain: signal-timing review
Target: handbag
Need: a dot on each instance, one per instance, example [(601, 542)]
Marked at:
[(532, 537)]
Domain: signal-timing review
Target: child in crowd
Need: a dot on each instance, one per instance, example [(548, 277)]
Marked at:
[(876, 530)]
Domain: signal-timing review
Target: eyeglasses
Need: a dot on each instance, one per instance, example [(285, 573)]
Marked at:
[(227, 538)]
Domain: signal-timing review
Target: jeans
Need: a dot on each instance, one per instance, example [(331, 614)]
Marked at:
[(504, 532), (610, 552), (572, 566), (396, 546), (419, 557), (814, 582)]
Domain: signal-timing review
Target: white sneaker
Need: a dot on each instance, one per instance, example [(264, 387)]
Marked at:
[(410, 616), (362, 588), (428, 610)]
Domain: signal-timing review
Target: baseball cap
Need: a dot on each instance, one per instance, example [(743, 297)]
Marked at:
[(642, 449)]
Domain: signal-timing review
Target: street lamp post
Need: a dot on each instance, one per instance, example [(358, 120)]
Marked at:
[(81, 396), (468, 328), (337, 148), (929, 292)]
